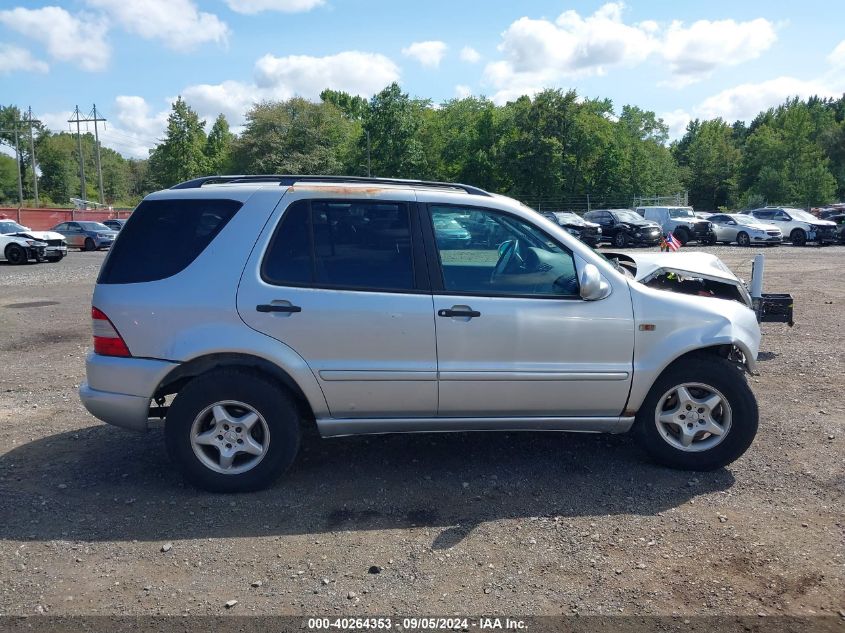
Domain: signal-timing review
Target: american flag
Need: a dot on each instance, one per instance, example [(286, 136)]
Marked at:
[(672, 242)]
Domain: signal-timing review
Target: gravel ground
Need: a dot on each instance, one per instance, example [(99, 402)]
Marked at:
[(94, 520)]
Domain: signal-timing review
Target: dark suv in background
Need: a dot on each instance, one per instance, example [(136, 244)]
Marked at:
[(623, 227), (587, 232)]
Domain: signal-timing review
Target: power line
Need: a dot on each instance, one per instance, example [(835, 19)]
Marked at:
[(78, 120)]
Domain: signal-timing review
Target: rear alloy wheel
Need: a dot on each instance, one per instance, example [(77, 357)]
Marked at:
[(620, 240), (15, 254), (742, 239), (699, 415), (798, 237), (89, 244), (232, 430)]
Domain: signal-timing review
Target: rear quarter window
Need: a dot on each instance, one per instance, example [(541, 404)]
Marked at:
[(162, 237)]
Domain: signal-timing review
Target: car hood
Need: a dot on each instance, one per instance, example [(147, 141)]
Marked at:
[(641, 224), (41, 235), (823, 223), (649, 266)]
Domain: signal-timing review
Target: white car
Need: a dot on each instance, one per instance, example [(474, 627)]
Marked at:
[(19, 250), (798, 226), (56, 246), (743, 229)]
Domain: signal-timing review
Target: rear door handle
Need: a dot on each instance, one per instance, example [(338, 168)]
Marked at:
[(272, 307), (461, 312)]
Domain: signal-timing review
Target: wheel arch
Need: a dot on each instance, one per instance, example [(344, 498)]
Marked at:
[(185, 372)]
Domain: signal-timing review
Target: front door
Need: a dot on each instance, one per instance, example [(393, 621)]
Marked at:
[(514, 337), (337, 281)]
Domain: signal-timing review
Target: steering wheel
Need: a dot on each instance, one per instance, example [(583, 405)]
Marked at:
[(510, 256)]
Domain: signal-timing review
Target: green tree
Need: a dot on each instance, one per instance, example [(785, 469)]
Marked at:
[(352, 106), (712, 158), (218, 146), (181, 155), (294, 137), (393, 122), (8, 180)]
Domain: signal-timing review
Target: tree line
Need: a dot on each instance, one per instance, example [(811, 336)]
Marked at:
[(555, 149)]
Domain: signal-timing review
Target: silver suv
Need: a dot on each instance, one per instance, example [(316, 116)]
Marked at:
[(296, 301)]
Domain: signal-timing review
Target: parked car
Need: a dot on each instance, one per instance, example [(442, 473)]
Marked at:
[(115, 225), (839, 220), (680, 222), (797, 226), (451, 233), (623, 227), (56, 247), (586, 231), (86, 235), (745, 230), (19, 250), (269, 317)]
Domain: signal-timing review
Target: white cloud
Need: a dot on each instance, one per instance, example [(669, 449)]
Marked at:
[(462, 91), (177, 23), (285, 6), (837, 56), (351, 71), (747, 100), (677, 121), (470, 55), (354, 72), (14, 58), (695, 51), (539, 53), (429, 53), (79, 39)]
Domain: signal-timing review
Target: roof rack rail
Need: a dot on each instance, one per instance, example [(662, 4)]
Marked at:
[(286, 180)]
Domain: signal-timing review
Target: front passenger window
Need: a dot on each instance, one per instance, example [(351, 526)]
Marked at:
[(493, 253)]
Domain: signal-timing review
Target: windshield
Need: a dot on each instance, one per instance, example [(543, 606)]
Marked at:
[(10, 227), (746, 220), (628, 216), (798, 214), (567, 217), (685, 212), (94, 226)]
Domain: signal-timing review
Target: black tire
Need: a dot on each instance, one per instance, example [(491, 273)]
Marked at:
[(89, 244), (798, 237), (269, 399), (742, 239), (15, 254), (682, 235), (620, 240), (715, 372), (54, 260)]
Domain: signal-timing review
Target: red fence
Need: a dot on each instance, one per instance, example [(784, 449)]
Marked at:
[(43, 219)]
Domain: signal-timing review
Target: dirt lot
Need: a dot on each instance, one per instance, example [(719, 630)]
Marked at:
[(94, 520)]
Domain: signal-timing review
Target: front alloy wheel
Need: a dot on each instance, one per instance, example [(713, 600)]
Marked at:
[(700, 414), (693, 417)]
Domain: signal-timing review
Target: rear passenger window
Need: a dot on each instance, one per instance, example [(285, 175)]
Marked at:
[(364, 245), (162, 238)]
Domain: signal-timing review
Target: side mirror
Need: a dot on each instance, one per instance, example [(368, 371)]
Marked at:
[(593, 285)]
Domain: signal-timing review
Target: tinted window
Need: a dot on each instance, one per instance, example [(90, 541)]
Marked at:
[(288, 259), (362, 245), (492, 253), (358, 245), (163, 237)]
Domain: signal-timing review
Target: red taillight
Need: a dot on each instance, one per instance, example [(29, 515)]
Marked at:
[(107, 340)]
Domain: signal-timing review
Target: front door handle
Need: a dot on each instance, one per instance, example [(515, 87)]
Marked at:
[(272, 307), (459, 312)]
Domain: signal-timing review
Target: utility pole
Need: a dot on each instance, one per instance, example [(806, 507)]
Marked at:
[(369, 174), (81, 156), (97, 154), (32, 156)]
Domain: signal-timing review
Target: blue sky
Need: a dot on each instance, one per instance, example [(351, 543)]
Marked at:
[(681, 60)]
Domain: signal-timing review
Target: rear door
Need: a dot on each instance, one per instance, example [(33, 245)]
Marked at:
[(514, 337), (75, 236), (343, 282)]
